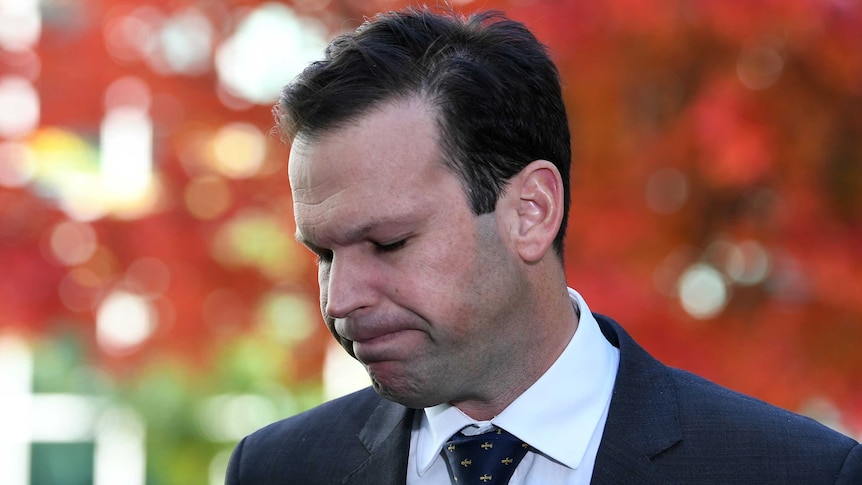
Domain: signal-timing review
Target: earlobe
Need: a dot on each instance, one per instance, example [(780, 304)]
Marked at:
[(540, 209)]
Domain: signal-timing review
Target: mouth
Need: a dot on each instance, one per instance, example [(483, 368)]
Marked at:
[(393, 345)]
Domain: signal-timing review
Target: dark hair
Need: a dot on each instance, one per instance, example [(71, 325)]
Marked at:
[(494, 87)]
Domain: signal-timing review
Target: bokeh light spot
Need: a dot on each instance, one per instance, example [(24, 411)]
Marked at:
[(257, 78), (123, 322), (20, 24), (239, 150), (126, 157), (78, 289), (230, 417), (19, 107), (73, 242), (749, 263), (258, 240), (127, 37), (17, 164), (128, 92), (186, 42), (207, 197), (149, 275), (702, 291), (286, 317)]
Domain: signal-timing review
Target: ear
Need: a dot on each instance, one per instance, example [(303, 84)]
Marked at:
[(539, 188)]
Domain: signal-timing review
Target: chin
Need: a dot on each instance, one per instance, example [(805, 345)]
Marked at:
[(408, 395)]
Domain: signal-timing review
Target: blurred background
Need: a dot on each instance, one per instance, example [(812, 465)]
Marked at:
[(155, 308)]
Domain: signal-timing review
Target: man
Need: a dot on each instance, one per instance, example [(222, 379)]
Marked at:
[(429, 169)]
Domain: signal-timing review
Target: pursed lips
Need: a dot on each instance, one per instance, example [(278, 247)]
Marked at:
[(370, 341)]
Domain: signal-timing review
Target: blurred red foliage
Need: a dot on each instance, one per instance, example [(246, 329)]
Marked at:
[(756, 105)]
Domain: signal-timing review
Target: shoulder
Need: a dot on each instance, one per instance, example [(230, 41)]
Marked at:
[(704, 404), (315, 445), (726, 429), (691, 427)]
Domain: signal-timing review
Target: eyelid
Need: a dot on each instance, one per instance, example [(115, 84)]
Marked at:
[(389, 247)]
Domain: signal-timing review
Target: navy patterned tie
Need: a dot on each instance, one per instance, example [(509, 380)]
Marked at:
[(484, 459)]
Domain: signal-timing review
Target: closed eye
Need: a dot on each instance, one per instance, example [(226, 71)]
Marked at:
[(389, 248)]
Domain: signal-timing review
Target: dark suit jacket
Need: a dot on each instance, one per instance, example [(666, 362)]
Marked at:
[(664, 426)]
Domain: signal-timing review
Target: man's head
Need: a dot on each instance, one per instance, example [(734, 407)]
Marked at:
[(433, 208), (495, 92)]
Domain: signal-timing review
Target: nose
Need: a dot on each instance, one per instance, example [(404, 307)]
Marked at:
[(347, 284)]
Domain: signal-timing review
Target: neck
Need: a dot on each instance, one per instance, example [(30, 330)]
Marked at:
[(551, 330)]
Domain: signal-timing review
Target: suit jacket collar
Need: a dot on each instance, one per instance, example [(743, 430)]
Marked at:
[(643, 419), (386, 437)]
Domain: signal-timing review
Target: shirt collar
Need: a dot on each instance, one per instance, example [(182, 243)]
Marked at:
[(557, 415)]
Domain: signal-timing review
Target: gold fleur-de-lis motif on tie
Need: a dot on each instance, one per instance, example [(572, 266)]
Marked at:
[(487, 458)]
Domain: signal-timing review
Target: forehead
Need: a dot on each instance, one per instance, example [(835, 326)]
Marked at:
[(379, 166), (393, 138)]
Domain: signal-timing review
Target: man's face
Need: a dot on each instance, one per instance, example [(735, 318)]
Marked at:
[(414, 285)]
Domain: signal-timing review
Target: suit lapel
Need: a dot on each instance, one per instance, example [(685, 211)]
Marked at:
[(386, 436), (643, 419)]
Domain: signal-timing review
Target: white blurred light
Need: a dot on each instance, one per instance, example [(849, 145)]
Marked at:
[(19, 107), (748, 263), (81, 197), (16, 361), (20, 24), (124, 321), (342, 374), (667, 191), (274, 29), (63, 418), (130, 37), (126, 155), (27, 417), (16, 375), (702, 291), (120, 454), (825, 411), (230, 417), (186, 42)]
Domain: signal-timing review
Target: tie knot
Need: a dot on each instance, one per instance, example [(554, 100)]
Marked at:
[(485, 459)]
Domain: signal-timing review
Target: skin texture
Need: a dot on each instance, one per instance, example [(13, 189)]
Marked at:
[(439, 304)]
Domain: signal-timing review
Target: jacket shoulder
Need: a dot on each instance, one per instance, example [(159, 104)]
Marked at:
[(313, 447), (691, 430), (741, 432)]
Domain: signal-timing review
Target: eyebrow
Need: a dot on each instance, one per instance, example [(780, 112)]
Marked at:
[(360, 232)]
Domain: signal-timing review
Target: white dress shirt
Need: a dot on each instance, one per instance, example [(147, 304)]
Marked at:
[(562, 415)]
